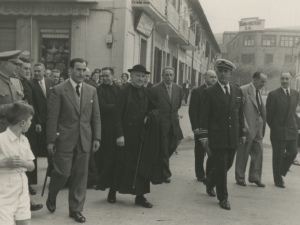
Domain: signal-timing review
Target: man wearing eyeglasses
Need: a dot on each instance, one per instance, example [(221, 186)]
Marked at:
[(222, 128)]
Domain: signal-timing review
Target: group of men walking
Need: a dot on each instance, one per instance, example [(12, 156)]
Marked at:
[(227, 119), (136, 128)]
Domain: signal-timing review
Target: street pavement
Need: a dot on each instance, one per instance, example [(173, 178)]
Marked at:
[(184, 200)]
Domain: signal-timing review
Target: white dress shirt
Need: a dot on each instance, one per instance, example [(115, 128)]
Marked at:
[(43, 86), (284, 90), (254, 89), (74, 84), (222, 86)]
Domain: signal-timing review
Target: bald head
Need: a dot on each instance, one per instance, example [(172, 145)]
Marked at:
[(87, 74), (210, 77)]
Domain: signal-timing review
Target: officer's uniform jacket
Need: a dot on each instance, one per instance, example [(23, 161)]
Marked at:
[(222, 120), (11, 90)]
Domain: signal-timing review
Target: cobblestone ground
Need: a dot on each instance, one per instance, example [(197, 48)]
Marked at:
[(184, 200)]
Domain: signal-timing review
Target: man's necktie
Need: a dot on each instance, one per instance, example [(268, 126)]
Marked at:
[(227, 92), (77, 90), (170, 91), (43, 87), (287, 93), (257, 100)]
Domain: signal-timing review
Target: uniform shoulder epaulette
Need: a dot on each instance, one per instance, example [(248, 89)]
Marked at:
[(4, 77)]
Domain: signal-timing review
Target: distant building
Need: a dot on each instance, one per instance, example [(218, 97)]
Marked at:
[(256, 45)]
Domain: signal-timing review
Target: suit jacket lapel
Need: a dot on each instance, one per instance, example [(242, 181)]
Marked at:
[(220, 93), (174, 93), (292, 100), (283, 98), (47, 84), (233, 97), (37, 84), (71, 95), (84, 97), (165, 93), (252, 95)]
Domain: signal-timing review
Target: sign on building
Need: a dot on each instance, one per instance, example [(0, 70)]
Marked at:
[(145, 25), (249, 24)]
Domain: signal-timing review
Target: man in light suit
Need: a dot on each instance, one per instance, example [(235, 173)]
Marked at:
[(255, 124), (168, 97), (281, 109), (42, 87), (195, 111), (73, 130)]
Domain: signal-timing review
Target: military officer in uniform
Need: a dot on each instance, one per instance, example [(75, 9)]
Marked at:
[(222, 128), (11, 89)]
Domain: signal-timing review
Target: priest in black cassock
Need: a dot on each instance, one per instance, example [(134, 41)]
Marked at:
[(132, 105), (106, 156)]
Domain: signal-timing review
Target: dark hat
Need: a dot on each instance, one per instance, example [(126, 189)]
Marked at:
[(138, 68), (223, 63), (11, 56)]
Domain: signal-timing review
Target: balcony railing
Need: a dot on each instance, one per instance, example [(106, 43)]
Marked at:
[(192, 38), (159, 5), (172, 16), (183, 28)]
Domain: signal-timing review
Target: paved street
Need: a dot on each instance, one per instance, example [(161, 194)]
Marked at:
[(184, 200)]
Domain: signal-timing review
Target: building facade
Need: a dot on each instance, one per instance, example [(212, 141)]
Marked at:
[(116, 33)]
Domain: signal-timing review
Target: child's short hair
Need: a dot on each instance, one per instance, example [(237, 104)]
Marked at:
[(18, 111)]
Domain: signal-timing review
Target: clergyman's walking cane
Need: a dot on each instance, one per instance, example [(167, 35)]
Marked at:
[(140, 153)]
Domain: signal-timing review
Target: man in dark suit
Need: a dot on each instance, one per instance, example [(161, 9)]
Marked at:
[(281, 109), (195, 111), (255, 123), (186, 90), (31, 134), (73, 113), (222, 128), (168, 97), (42, 86)]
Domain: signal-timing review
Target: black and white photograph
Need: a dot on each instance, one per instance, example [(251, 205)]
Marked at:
[(157, 112)]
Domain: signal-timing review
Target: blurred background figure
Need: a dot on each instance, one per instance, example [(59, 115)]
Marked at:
[(186, 87), (87, 75), (119, 82), (100, 80), (147, 84), (55, 75), (47, 73), (94, 81), (125, 78), (61, 79)]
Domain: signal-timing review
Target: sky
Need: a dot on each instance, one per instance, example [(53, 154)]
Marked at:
[(223, 15)]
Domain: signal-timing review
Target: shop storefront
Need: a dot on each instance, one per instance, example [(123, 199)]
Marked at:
[(47, 32)]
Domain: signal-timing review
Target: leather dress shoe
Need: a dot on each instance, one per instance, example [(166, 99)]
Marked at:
[(77, 216), (167, 181), (51, 205), (258, 183), (211, 192), (241, 183), (142, 201), (35, 207), (280, 185), (224, 204), (31, 190)]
